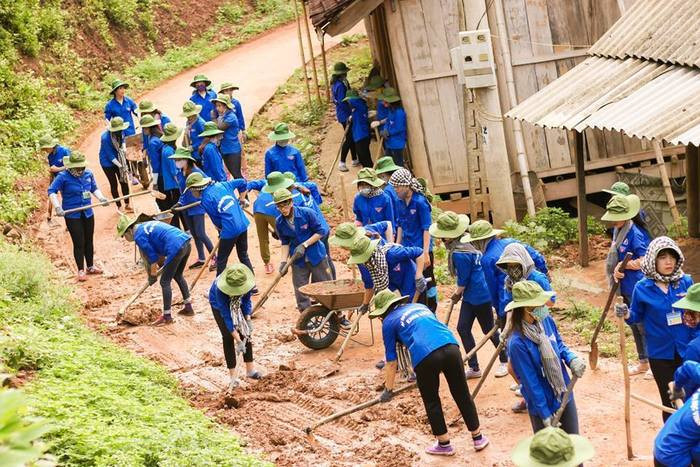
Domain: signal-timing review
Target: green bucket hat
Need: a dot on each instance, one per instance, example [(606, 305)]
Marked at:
[(170, 133), (528, 293), (276, 181), (390, 95), (351, 94), (225, 86), (282, 195), (124, 223), (691, 301), (148, 121), (449, 225), (361, 249), (375, 82), (182, 153), (621, 208), (210, 129), (383, 300), (200, 78), (224, 99), (195, 180), (369, 176), (116, 84), (47, 142), (189, 108), (480, 230), (147, 107), (291, 175), (236, 280), (619, 188), (280, 132), (340, 68), (74, 160), (552, 447), (117, 124), (385, 164), (346, 234)]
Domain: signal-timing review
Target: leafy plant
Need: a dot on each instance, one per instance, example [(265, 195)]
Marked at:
[(18, 433), (679, 229)]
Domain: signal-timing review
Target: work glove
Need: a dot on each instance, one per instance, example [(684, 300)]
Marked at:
[(364, 308), (675, 392), (152, 279), (103, 201), (456, 297), (384, 133), (578, 366), (374, 124), (249, 320), (501, 322), (386, 395), (283, 268), (240, 346), (300, 250), (622, 310), (60, 212), (421, 284), (547, 421), (502, 337)]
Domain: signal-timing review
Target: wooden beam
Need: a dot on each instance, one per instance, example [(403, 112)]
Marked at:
[(436, 75), (666, 182), (692, 198), (579, 157), (351, 15), (550, 57)]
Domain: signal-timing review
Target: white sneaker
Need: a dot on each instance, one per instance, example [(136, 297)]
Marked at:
[(472, 374), (342, 167), (648, 374), (502, 370), (355, 163)]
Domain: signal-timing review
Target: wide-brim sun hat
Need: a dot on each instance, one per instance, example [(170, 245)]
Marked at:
[(276, 181), (281, 132), (182, 153), (189, 109), (346, 234), (369, 176), (48, 142), (362, 249), (224, 99), (147, 121), (117, 124), (390, 95), (236, 280), (225, 86), (74, 160), (200, 79), (116, 84), (691, 301), (375, 82), (351, 94), (340, 68), (618, 188), (170, 133), (282, 195), (196, 180), (146, 107), (385, 164), (210, 129), (449, 225), (621, 208), (528, 294), (383, 300), (480, 230), (552, 447)]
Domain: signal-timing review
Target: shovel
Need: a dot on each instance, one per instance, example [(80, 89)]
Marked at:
[(122, 310), (337, 158), (565, 400), (95, 205), (205, 266), (272, 286)]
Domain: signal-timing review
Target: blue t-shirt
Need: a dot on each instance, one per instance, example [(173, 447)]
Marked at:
[(678, 442), (416, 327), (75, 191), (285, 159), (154, 149), (414, 219), (470, 275), (157, 239), (342, 109), (229, 140), (164, 120), (223, 208), (391, 193), (506, 296), (402, 269), (396, 129), (205, 102), (186, 197), (260, 206), (212, 163), (307, 222), (222, 303), (375, 209), (195, 140), (687, 376), (360, 121), (382, 113), (239, 112), (168, 170), (56, 156), (126, 110), (635, 242), (107, 150)]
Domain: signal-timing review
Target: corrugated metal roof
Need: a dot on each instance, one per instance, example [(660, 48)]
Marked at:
[(642, 98), (661, 30), (323, 12)]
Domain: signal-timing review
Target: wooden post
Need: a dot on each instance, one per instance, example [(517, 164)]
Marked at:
[(301, 53), (580, 158), (626, 375), (693, 190), (311, 50), (325, 68), (346, 211), (665, 181)]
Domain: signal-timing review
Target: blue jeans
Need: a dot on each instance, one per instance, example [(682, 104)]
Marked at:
[(199, 233), (482, 313)]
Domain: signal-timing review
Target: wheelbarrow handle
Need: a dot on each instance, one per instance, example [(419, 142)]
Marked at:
[(272, 286)]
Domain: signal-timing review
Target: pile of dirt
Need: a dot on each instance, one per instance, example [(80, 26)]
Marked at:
[(566, 255)]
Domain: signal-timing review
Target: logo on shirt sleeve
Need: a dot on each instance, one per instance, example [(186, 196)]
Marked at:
[(225, 203), (304, 226), (290, 157)]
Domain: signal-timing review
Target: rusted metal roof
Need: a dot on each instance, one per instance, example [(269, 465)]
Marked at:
[(322, 12), (660, 30), (642, 98)]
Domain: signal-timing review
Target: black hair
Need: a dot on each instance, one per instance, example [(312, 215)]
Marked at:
[(673, 252), (639, 221), (516, 318), (335, 78), (395, 105)]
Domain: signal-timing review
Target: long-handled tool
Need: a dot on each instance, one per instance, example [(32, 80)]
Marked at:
[(593, 356), (676, 403), (252, 216), (205, 266), (499, 348), (626, 375), (109, 201), (353, 327), (564, 401), (122, 310), (337, 158), (449, 313), (276, 281)]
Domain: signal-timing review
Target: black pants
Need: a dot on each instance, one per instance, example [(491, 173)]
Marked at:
[(447, 360), (81, 232), (226, 246), (233, 164), (363, 154), (484, 315), (568, 420), (348, 144), (174, 270), (330, 260), (429, 297), (171, 198), (112, 174), (396, 155), (663, 371), (229, 344)]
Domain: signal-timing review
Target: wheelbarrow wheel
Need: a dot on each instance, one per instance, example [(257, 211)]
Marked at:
[(311, 318)]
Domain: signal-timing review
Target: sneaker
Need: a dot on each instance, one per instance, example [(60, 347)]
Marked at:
[(472, 374), (355, 163), (94, 270), (438, 450), (345, 323), (128, 209), (380, 365), (163, 320), (481, 443), (342, 167), (255, 374), (502, 370), (648, 374), (638, 369), (519, 391), (198, 264), (411, 378), (81, 276), (269, 268), (233, 384), (514, 387), (519, 407), (187, 310)]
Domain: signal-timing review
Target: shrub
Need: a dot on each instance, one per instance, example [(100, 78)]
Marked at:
[(549, 228)]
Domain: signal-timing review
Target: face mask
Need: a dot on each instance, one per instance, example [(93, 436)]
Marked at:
[(365, 191), (515, 271), (283, 143), (129, 235), (181, 164), (76, 172), (201, 87), (540, 313)]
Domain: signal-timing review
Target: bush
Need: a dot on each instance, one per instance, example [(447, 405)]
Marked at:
[(18, 434)]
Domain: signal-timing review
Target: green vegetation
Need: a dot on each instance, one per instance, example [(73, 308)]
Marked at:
[(18, 433), (105, 406), (679, 230)]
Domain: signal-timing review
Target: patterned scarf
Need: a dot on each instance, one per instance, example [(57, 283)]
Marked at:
[(619, 236), (550, 361), (403, 177), (373, 192), (239, 322), (481, 245), (378, 267), (455, 246), (649, 262)]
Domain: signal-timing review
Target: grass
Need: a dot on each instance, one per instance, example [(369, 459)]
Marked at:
[(104, 405)]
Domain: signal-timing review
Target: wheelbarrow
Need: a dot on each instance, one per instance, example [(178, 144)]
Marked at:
[(318, 326)]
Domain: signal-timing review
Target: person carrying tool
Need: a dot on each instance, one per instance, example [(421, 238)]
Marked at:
[(203, 96), (77, 185), (193, 128), (227, 89), (210, 157), (158, 243), (301, 230), (384, 168), (168, 171), (630, 234), (690, 304), (433, 350), (371, 204), (283, 157), (414, 220), (54, 153), (121, 105), (231, 305), (230, 145), (339, 89), (111, 141), (359, 132), (664, 284), (226, 213), (148, 108), (552, 447), (394, 126), (192, 217), (538, 357)]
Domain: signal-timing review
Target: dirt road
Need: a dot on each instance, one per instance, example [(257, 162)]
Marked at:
[(270, 415)]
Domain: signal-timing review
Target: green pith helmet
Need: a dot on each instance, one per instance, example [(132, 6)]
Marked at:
[(480, 230), (528, 294), (691, 301), (224, 99), (282, 195), (196, 180), (621, 208), (189, 108), (182, 153), (368, 176), (552, 447), (117, 124), (170, 133), (147, 107), (390, 95), (375, 82), (210, 129), (449, 225), (619, 188), (47, 142), (74, 160), (148, 121), (385, 164), (276, 181), (340, 68), (281, 132), (124, 223), (116, 84), (346, 234), (291, 175), (226, 86), (236, 280), (361, 249), (351, 94), (200, 78), (383, 300)]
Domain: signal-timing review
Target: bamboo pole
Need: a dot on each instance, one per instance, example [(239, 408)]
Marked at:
[(626, 376), (301, 54), (665, 181), (646, 401), (325, 68), (346, 211), (582, 206), (311, 50), (517, 125)]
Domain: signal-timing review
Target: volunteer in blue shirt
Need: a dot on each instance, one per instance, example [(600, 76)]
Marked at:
[(621, 188), (283, 157), (192, 217), (121, 106), (413, 219), (77, 186), (301, 230), (265, 212), (160, 242), (346, 233), (203, 96), (224, 210), (652, 305), (227, 89), (231, 305), (385, 168), (360, 127), (434, 351), (54, 153), (339, 89), (230, 146), (148, 108), (193, 128), (690, 304), (394, 126), (168, 171), (371, 203), (110, 142), (153, 131), (210, 158), (539, 357), (630, 234)]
